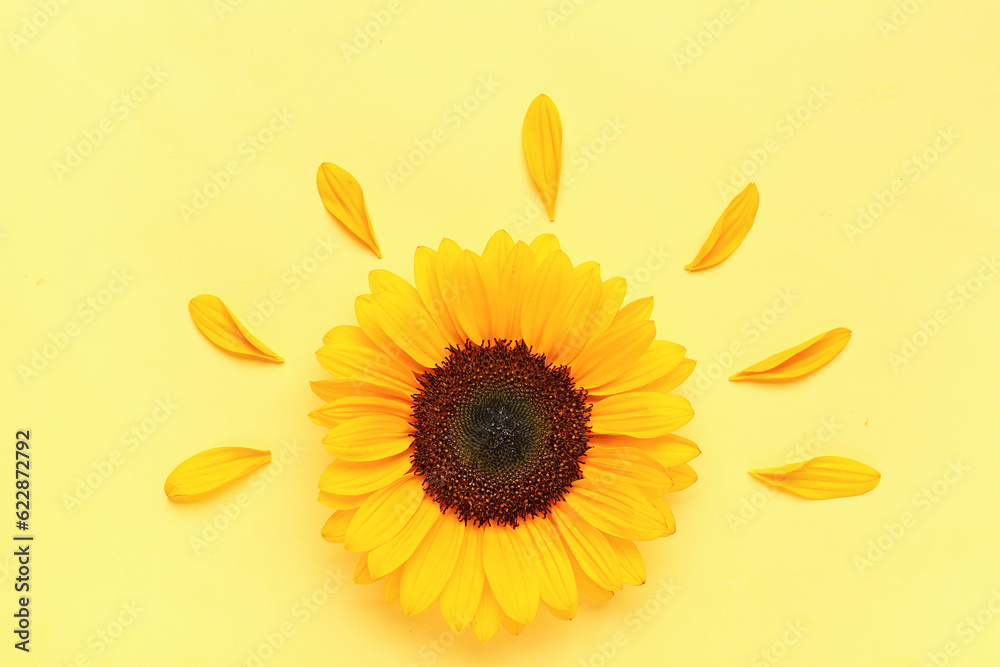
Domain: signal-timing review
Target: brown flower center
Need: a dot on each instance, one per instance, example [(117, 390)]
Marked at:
[(499, 432)]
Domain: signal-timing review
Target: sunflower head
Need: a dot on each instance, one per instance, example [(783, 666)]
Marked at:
[(502, 432)]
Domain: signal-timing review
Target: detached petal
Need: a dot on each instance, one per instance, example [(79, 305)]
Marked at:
[(729, 231), (541, 136), (220, 326), (822, 477), (342, 196), (212, 468), (799, 360)]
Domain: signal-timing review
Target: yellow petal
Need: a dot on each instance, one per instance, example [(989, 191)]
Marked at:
[(383, 514), (341, 502), (220, 326), (683, 476), (673, 379), (471, 306), (335, 527), (497, 249), (341, 410), (588, 586), (362, 575), (390, 590), (368, 320), (544, 245), (730, 230), (543, 296), (512, 626), (516, 276), (426, 267), (408, 325), (629, 466), (461, 595), (822, 477), (385, 558), (541, 136), (351, 355), (660, 359), (488, 616), (353, 478), (342, 196), (588, 547), (331, 390), (616, 510), (578, 315), (557, 306), (426, 572), (668, 517), (612, 294), (369, 438), (561, 614), (799, 360), (381, 280), (604, 357), (630, 560), (512, 579), (212, 468), (642, 414), (635, 311), (667, 450), (556, 583)]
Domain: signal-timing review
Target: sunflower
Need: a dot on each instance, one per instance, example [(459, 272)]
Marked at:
[(502, 434)]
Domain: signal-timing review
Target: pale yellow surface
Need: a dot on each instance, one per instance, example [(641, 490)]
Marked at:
[(651, 142)]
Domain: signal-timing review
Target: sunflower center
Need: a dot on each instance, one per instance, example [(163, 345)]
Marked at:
[(499, 432)]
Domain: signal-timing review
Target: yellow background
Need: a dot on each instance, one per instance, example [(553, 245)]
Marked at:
[(660, 107)]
